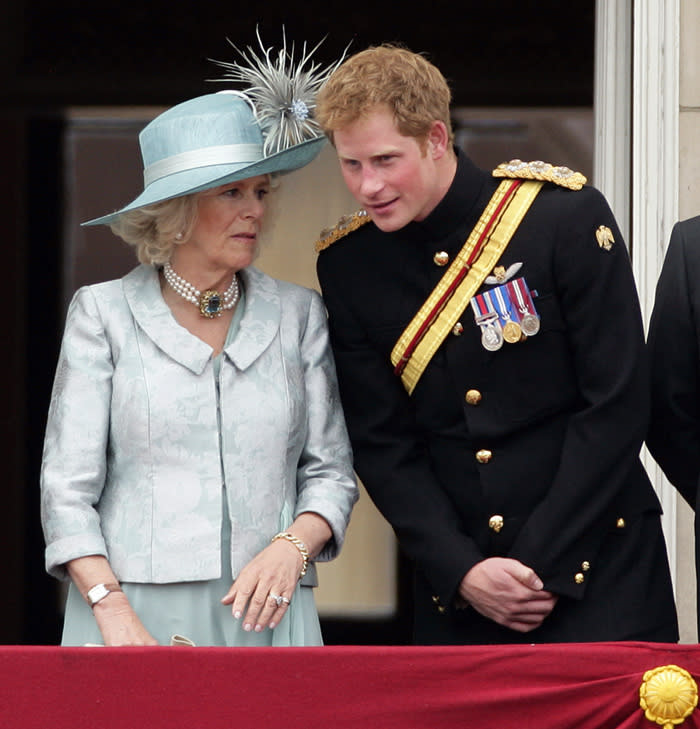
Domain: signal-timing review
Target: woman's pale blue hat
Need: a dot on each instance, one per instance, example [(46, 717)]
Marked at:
[(206, 142)]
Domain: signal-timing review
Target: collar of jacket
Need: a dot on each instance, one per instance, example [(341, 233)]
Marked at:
[(258, 327)]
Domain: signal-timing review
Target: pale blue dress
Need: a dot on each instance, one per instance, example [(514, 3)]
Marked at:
[(194, 609)]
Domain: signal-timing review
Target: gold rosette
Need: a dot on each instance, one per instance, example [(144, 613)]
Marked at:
[(668, 695)]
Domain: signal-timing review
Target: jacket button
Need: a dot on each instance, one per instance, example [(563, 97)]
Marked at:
[(585, 566), (496, 523), (473, 397), (579, 578), (483, 455), (621, 523), (457, 329), (441, 258)]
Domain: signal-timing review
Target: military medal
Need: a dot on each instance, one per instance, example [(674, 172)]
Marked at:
[(487, 319), (512, 332), (511, 328), (530, 324), (529, 319), (492, 335)]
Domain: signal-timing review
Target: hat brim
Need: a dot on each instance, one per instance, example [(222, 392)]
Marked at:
[(191, 181)]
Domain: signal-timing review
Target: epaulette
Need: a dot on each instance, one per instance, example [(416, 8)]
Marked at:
[(345, 225), (538, 170)]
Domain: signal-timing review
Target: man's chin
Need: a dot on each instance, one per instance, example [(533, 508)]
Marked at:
[(388, 224)]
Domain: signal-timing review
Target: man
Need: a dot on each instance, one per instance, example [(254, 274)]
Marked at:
[(490, 352), (674, 346)]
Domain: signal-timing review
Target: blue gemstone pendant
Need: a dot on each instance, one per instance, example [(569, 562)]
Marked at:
[(211, 304)]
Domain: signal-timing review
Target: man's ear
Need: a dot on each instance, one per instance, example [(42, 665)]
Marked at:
[(437, 139)]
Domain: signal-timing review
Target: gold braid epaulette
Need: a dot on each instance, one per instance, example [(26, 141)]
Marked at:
[(345, 225), (517, 169)]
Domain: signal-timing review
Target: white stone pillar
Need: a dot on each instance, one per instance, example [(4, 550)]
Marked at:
[(636, 153)]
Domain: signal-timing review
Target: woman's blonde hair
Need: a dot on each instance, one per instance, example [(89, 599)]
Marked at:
[(154, 230), (411, 87)]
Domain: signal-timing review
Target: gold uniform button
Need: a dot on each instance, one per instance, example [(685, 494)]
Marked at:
[(436, 602), (585, 566), (457, 329), (473, 397), (621, 523), (441, 258), (579, 578), (496, 523), (484, 455)]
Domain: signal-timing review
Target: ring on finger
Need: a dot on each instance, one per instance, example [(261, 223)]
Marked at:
[(280, 599)]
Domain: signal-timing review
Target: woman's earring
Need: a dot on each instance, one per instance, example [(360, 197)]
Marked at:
[(180, 236)]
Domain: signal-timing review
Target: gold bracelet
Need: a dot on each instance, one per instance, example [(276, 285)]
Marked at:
[(299, 545)]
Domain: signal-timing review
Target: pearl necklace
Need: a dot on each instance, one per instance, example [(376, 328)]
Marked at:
[(211, 303)]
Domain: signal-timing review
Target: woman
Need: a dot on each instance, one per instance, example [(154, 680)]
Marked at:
[(196, 460)]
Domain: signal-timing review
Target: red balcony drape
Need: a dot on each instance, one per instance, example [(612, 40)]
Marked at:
[(566, 686)]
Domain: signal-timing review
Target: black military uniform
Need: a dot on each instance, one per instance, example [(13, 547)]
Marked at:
[(674, 345), (530, 451)]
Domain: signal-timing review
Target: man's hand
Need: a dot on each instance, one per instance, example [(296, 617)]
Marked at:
[(508, 592)]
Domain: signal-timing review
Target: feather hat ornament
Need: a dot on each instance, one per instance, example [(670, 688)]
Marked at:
[(282, 90)]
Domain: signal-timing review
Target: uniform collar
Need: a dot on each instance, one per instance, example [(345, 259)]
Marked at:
[(455, 208)]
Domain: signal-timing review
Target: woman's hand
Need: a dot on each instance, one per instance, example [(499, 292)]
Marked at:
[(271, 574), (114, 615), (263, 590), (118, 622)]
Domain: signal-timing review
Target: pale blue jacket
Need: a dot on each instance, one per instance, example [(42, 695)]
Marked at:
[(133, 458)]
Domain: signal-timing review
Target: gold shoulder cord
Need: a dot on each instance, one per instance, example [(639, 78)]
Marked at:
[(543, 171), (345, 225)]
